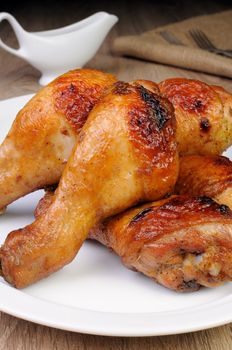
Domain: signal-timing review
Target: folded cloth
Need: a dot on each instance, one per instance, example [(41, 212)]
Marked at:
[(152, 47)]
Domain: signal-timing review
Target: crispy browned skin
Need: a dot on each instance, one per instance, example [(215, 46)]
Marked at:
[(181, 242), (207, 176), (40, 141), (126, 153), (203, 115)]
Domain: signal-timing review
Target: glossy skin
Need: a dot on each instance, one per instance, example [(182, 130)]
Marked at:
[(126, 153), (203, 114), (40, 141), (207, 176), (37, 147), (181, 242), (149, 85)]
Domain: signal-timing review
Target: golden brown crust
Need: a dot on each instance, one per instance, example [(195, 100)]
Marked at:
[(44, 132), (76, 92), (35, 151), (152, 128), (203, 114), (181, 242), (204, 175), (190, 95), (104, 175)]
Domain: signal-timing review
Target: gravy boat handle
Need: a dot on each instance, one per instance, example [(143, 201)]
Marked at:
[(19, 33)]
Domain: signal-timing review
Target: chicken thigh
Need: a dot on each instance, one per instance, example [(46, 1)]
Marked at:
[(181, 242), (207, 176), (203, 115)]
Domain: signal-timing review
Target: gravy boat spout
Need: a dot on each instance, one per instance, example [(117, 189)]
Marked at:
[(53, 52)]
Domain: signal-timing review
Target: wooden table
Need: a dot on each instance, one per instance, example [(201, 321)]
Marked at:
[(18, 78)]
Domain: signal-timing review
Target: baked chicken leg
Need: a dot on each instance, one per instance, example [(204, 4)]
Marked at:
[(40, 141), (203, 115), (208, 176), (181, 242), (126, 153)]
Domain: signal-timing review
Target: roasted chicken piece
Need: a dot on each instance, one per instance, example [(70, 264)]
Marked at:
[(181, 242), (207, 176), (40, 141), (203, 115), (126, 153), (42, 137)]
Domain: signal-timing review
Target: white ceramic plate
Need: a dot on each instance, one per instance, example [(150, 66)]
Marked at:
[(96, 294)]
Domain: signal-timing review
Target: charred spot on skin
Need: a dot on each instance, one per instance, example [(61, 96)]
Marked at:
[(198, 104), (140, 215), (205, 125), (224, 209), (206, 200), (159, 114), (121, 88), (72, 88)]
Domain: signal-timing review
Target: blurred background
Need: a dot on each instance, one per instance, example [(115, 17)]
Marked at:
[(135, 17), (141, 15)]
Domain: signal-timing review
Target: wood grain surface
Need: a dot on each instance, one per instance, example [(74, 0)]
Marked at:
[(19, 78)]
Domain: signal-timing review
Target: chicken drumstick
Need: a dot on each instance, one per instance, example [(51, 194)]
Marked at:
[(126, 153), (41, 138), (181, 242), (40, 141)]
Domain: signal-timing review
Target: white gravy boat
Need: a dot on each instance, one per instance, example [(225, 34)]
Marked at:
[(53, 52)]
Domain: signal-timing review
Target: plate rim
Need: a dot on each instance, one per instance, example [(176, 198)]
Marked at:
[(19, 304)]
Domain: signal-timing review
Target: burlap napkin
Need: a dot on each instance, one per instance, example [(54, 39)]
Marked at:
[(152, 47)]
